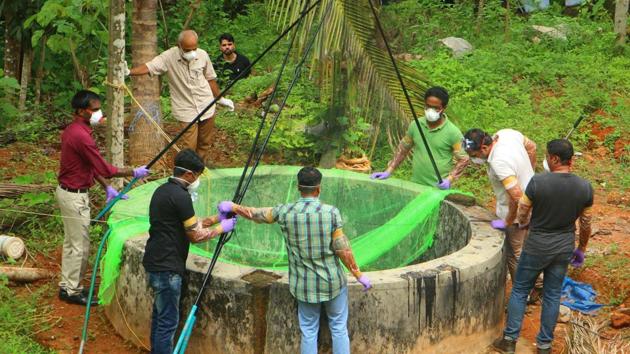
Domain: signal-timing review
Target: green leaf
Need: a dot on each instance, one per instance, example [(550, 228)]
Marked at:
[(35, 198), (24, 179), (37, 35)]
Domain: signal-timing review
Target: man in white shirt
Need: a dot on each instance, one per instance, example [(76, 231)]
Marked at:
[(192, 84), (511, 159)]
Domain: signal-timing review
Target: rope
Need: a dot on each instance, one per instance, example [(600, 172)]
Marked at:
[(46, 214), (127, 324), (123, 86)]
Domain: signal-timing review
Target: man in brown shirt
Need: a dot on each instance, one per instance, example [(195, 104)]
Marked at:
[(192, 83)]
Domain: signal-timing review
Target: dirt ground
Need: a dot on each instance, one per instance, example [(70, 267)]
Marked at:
[(609, 246)]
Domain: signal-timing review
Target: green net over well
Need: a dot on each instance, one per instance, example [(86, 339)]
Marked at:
[(390, 223)]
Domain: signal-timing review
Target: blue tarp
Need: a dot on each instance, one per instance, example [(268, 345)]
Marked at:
[(579, 296)]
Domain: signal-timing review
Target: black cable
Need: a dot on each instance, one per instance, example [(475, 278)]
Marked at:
[(265, 110), (402, 85), (224, 238)]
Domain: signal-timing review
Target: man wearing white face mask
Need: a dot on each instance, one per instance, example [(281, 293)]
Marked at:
[(444, 139), (192, 83), (511, 159), (174, 226), (80, 165)]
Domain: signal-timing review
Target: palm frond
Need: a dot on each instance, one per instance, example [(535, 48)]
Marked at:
[(350, 33)]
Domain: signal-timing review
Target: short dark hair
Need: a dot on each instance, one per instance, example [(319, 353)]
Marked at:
[(475, 138), (308, 179), (226, 36), (561, 148), (82, 99), (439, 92), (189, 160)]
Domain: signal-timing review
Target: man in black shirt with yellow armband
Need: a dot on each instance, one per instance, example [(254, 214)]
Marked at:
[(174, 226), (557, 200)]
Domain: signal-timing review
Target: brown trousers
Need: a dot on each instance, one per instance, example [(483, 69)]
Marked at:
[(515, 240), (198, 137)]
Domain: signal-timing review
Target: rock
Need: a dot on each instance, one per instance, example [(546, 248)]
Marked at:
[(619, 320), (553, 32), (408, 56), (459, 46), (603, 232), (565, 314)]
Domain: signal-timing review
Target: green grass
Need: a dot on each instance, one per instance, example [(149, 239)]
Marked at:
[(19, 316)]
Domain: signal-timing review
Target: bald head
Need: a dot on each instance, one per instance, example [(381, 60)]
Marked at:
[(188, 40)]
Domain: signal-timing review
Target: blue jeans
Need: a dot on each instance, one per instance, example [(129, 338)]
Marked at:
[(167, 288), (337, 312), (554, 268)]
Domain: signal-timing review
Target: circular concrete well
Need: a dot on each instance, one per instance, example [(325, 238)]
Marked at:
[(449, 298)]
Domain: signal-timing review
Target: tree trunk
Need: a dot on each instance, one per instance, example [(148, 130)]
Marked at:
[(27, 62), (12, 46), (39, 74), (116, 76), (621, 21), (506, 30), (480, 9), (144, 139)]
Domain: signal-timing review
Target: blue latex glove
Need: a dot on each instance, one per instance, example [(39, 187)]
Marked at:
[(446, 184), (228, 224), (363, 279), (380, 175), (498, 224), (578, 258), (140, 172), (112, 193)]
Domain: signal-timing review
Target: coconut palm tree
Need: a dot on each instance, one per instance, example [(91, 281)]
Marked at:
[(350, 54)]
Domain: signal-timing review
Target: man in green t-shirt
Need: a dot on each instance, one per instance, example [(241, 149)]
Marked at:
[(444, 139)]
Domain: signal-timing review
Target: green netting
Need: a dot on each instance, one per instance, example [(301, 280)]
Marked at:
[(390, 223)]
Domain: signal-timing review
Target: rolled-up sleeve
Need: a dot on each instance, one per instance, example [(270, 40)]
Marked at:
[(158, 65)]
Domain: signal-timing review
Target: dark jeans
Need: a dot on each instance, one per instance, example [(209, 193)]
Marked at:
[(554, 268), (167, 291)]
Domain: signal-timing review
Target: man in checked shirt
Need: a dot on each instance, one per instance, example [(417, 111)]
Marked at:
[(315, 245)]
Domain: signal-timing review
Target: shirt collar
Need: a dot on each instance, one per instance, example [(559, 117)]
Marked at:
[(423, 121), (82, 123), (309, 199), (177, 182)]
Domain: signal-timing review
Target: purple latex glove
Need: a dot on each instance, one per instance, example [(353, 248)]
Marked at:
[(578, 258), (225, 207), (446, 184), (228, 225), (112, 193), (380, 175), (140, 172), (498, 224), (363, 279)]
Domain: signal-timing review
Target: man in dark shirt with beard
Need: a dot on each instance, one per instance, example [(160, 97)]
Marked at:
[(557, 200), (230, 63)]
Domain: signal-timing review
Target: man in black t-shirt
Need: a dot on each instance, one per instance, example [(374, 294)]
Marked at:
[(557, 200), (230, 63), (173, 227)]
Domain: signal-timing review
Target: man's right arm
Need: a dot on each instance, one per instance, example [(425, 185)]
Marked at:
[(139, 70), (257, 215), (585, 228), (404, 147)]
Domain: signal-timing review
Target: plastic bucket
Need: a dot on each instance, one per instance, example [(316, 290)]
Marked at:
[(12, 247)]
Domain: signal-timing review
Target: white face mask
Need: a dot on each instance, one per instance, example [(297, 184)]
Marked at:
[(431, 114), (546, 165), (192, 187), (189, 56), (478, 160), (96, 117)]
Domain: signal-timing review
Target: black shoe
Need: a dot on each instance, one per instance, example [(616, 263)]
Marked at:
[(79, 299), (543, 351), (85, 292), (503, 345)]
